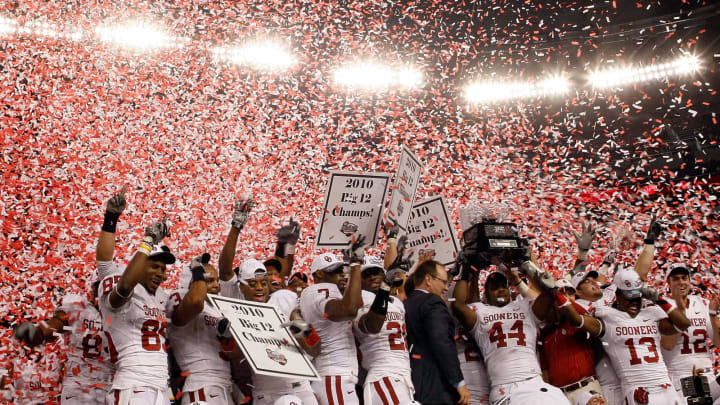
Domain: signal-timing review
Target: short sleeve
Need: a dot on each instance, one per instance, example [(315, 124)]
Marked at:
[(656, 313), (107, 268), (230, 288), (174, 299), (284, 300)]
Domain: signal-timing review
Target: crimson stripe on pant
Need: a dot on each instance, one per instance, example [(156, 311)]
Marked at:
[(117, 397), (201, 393), (380, 392), (391, 390), (328, 390), (338, 386), (192, 396)]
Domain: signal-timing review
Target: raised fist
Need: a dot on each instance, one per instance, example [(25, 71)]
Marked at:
[(355, 252), (158, 231), (241, 213), (289, 233)]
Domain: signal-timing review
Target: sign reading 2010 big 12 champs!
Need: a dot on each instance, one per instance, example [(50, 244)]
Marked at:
[(269, 348), (353, 204), (430, 229)]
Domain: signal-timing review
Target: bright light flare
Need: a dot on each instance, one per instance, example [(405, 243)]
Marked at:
[(377, 77), (140, 37), (492, 92), (258, 55), (618, 77)]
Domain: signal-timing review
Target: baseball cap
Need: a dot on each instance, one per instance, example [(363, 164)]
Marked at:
[(162, 254), (326, 262), (562, 283), (252, 268), (288, 399), (581, 276), (496, 279), (298, 275), (628, 283), (677, 268), (585, 397), (372, 262)]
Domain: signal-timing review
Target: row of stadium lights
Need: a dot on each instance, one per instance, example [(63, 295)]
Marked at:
[(369, 76)]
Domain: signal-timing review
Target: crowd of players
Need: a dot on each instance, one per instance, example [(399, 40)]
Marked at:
[(523, 338)]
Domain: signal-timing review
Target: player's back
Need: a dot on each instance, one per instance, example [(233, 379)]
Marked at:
[(338, 354), (196, 347), (633, 345), (384, 353), (136, 339), (507, 337)]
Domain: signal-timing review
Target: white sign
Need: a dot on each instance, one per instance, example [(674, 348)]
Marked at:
[(430, 229), (269, 348), (404, 188), (353, 203)]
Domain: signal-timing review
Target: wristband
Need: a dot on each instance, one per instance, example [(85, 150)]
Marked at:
[(313, 338), (280, 250), (289, 249), (522, 288), (392, 240), (650, 242), (122, 296), (144, 249), (149, 241), (713, 313), (583, 254), (382, 297), (110, 221), (582, 322), (561, 300)]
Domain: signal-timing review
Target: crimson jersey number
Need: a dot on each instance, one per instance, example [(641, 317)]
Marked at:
[(497, 335), (397, 340), (109, 283), (699, 345), (151, 330), (653, 357), (92, 346)]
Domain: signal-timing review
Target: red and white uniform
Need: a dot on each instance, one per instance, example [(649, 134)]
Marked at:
[(197, 351), (269, 389), (604, 371), (507, 337), (691, 350), (88, 370), (34, 382), (633, 346), (337, 362), (473, 367), (385, 355), (136, 339), (109, 268)]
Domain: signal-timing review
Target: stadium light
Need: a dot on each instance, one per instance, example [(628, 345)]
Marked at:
[(377, 77), (618, 77), (491, 92), (140, 37), (258, 55)]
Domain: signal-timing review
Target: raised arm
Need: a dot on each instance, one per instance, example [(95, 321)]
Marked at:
[(391, 251), (135, 270), (584, 241), (677, 321), (372, 321), (106, 242), (33, 335), (193, 302), (241, 211), (462, 312), (346, 309), (287, 238), (645, 260)]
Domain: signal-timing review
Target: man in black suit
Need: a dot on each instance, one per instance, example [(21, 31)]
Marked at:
[(436, 371)]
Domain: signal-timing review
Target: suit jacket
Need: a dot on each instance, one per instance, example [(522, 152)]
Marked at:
[(434, 359)]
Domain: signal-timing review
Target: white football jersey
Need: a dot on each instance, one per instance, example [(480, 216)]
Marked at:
[(196, 347), (385, 353), (338, 354), (231, 288), (507, 337), (88, 360), (692, 347), (136, 339), (109, 269), (472, 366), (633, 346)]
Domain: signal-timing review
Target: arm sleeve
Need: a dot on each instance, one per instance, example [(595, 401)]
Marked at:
[(230, 288), (440, 329)]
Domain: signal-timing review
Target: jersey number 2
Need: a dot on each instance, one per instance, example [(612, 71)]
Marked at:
[(699, 345), (400, 334)]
